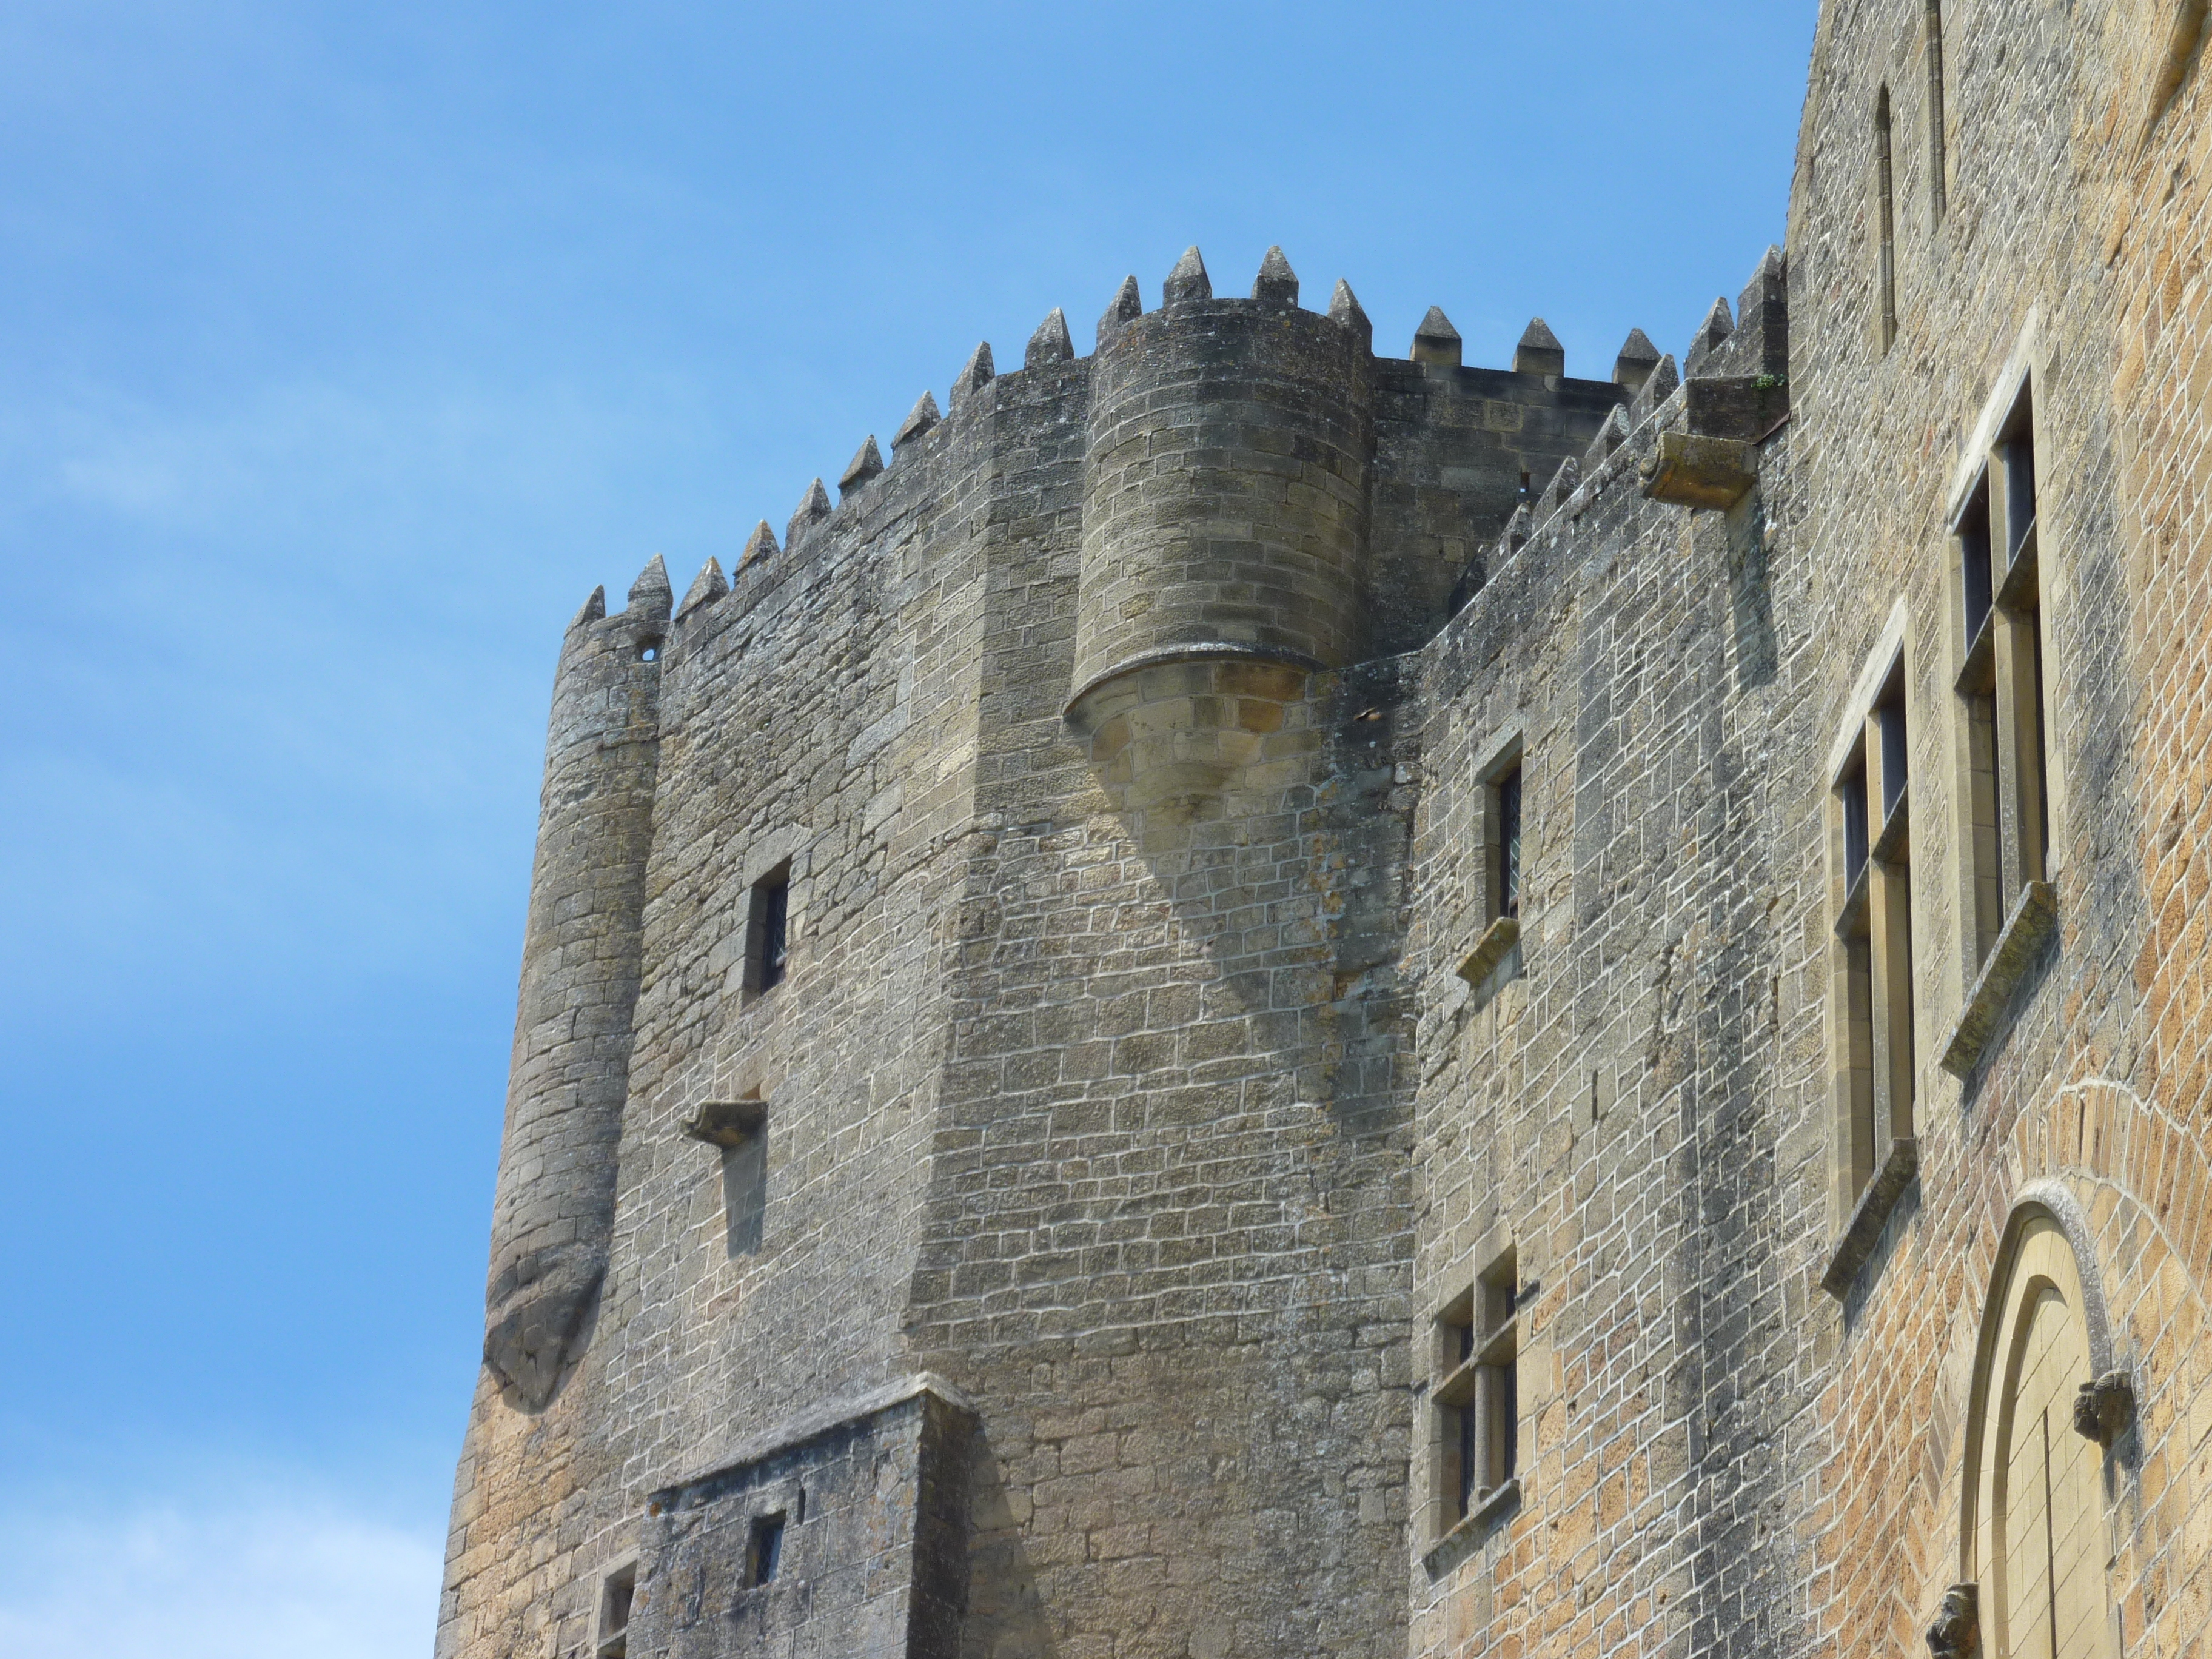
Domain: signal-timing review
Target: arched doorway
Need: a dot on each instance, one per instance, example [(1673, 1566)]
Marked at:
[(2036, 1537)]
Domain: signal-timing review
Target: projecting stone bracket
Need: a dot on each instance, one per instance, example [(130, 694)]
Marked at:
[(1694, 471), (1496, 942), (2034, 918), (1957, 1631), (2105, 1409), (1869, 1216)]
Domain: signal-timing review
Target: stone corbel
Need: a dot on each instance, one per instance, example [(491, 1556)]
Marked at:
[(2105, 1409), (1957, 1631)]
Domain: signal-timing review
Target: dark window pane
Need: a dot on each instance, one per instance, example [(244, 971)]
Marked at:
[(1467, 1483), (1509, 844), (774, 931), (768, 1548), (1854, 826), (1893, 756), (2019, 489), (1974, 562)]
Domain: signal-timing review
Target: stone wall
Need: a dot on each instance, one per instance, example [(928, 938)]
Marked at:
[(1158, 1070)]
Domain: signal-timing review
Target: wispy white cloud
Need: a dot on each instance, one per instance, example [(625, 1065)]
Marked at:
[(218, 1576)]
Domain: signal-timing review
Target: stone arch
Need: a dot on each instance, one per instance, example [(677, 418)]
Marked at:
[(2035, 1536)]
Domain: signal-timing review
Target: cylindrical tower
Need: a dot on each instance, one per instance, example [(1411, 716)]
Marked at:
[(553, 1216), (1224, 524), (1225, 491)]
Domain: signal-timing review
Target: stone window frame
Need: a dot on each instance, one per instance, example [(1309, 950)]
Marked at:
[(613, 1606), (1496, 958), (2008, 785), (1873, 1046), (1474, 1398), (769, 932), (783, 1500)]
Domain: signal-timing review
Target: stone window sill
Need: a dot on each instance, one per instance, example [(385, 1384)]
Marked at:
[(1478, 1524), (1495, 959), (2034, 917), (1871, 1216)]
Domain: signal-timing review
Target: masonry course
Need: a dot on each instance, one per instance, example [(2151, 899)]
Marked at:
[(1163, 1075)]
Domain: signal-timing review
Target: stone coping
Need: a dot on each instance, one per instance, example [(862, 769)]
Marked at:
[(813, 1423)]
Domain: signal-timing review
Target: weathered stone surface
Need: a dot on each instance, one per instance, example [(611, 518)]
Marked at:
[(1129, 757)]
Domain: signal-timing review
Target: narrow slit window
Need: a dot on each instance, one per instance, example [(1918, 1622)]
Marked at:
[(1498, 1292), (768, 929), (1508, 845), (1938, 140), (764, 1554), (1885, 207)]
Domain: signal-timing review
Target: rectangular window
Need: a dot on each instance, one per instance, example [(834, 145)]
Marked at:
[(1476, 1427), (2005, 832), (1495, 961), (764, 1552), (767, 931), (617, 1592), (1872, 957)]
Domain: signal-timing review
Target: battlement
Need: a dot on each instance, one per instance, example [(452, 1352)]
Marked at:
[(1444, 453)]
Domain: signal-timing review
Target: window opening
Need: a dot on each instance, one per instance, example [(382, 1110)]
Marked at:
[(1476, 1392), (649, 652), (1886, 198), (618, 1594), (1508, 845), (1872, 965), (1974, 561), (768, 945), (2019, 481), (765, 1555), (2000, 686), (1891, 715), (1938, 142), (1852, 795)]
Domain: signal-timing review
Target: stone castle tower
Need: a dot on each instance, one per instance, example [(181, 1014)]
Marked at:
[(1265, 1000)]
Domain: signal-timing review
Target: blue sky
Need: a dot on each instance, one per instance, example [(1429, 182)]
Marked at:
[(343, 350)]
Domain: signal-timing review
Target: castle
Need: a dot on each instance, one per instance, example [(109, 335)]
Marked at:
[(1264, 1000)]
